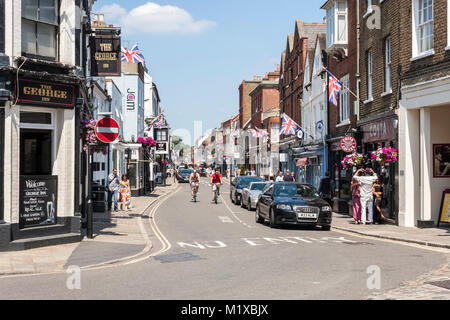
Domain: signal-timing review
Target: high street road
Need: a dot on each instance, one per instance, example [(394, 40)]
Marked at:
[(207, 251)]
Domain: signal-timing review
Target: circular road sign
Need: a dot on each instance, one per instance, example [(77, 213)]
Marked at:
[(300, 134), (107, 130), (348, 144)]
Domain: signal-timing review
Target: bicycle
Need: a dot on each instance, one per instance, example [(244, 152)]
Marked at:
[(215, 187), (195, 190)]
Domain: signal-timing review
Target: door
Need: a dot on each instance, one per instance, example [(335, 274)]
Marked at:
[(265, 202), (35, 152)]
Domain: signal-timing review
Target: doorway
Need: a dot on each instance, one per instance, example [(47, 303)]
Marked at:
[(36, 152)]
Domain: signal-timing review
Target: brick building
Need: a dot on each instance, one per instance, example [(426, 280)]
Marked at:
[(342, 61), (245, 101), (291, 84), (264, 97), (424, 110)]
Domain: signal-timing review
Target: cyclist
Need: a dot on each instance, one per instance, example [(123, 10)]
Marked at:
[(216, 179), (194, 181)]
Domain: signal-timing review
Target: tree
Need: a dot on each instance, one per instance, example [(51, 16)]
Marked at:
[(242, 170)]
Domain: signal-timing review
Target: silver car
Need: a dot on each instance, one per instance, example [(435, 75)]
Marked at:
[(251, 193)]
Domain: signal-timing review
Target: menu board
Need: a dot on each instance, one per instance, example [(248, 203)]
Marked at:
[(444, 213), (38, 196)]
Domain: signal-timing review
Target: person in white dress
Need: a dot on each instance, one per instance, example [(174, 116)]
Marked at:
[(366, 179)]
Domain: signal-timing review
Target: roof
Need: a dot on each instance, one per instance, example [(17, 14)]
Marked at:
[(311, 30)]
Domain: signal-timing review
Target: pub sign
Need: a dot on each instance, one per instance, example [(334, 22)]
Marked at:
[(105, 56), (161, 148), (45, 93)]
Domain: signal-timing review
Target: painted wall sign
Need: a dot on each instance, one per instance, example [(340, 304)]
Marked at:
[(348, 144), (45, 93), (131, 100), (38, 195), (105, 56), (381, 130)]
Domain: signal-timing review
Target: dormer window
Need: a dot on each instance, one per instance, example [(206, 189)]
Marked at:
[(337, 21)]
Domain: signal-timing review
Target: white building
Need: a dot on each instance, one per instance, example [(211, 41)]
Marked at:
[(41, 143)]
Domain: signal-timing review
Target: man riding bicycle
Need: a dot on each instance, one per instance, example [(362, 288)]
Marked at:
[(216, 179), (194, 182)]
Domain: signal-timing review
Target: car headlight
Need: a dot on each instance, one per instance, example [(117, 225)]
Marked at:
[(286, 207), (326, 208)]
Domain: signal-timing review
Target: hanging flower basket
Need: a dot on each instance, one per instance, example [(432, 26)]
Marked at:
[(385, 155), (146, 141), (88, 136), (353, 160)]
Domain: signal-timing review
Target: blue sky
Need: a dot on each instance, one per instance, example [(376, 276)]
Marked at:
[(199, 51)]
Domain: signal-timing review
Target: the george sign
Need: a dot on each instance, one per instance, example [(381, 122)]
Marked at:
[(161, 148), (105, 56), (444, 213), (38, 195), (348, 144), (107, 130), (45, 93), (381, 130)]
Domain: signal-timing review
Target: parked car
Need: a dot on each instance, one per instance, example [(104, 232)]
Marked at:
[(201, 172), (251, 193), (184, 175), (238, 184), (294, 204)]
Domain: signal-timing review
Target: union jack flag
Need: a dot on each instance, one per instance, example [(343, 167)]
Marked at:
[(262, 132), (255, 133), (288, 126), (160, 122), (334, 86), (133, 55)]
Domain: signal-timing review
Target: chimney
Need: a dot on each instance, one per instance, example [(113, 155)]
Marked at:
[(278, 67), (325, 19)]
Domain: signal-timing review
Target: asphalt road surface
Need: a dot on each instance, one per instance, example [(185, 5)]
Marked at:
[(219, 252)]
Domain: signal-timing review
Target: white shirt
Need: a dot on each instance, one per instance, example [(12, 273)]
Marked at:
[(366, 183)]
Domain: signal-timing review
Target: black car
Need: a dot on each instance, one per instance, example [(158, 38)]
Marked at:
[(184, 175), (239, 183), (294, 204)]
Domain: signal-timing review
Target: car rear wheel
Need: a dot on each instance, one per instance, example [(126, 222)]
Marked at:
[(258, 218), (242, 203), (272, 223)]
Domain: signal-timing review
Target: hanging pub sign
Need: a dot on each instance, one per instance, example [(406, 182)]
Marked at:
[(161, 148), (29, 91), (348, 144), (38, 196), (105, 56)]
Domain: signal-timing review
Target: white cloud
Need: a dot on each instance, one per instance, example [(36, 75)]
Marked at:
[(154, 18)]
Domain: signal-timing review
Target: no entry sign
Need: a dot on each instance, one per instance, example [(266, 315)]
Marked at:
[(107, 130)]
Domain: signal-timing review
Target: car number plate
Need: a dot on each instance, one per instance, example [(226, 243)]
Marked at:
[(306, 215)]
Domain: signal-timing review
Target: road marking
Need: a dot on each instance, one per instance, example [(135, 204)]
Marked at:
[(236, 217), (226, 219)]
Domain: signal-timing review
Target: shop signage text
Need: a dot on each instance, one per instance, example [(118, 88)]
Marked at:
[(161, 148), (106, 56), (45, 93), (348, 144), (131, 98), (382, 130)]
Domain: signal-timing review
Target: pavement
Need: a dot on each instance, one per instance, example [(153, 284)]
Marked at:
[(433, 237), (118, 236)]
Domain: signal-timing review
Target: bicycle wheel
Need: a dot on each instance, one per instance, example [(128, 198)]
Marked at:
[(215, 197)]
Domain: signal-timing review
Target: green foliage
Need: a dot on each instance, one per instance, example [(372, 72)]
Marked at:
[(242, 170), (186, 166)]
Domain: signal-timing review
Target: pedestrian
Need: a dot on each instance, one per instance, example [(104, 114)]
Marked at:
[(114, 187), (326, 188), (378, 216), (271, 177), (279, 177), (356, 201), (366, 179), (125, 192), (293, 176), (288, 177)]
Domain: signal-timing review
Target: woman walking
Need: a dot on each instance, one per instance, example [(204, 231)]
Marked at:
[(378, 193), (125, 192), (356, 201)]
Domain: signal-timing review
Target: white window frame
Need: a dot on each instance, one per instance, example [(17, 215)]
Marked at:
[(344, 100), (387, 65), (369, 76), (333, 14), (40, 126), (417, 53)]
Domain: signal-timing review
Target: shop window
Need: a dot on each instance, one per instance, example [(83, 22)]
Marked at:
[(39, 27)]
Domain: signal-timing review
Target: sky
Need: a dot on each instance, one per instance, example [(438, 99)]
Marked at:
[(199, 51)]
